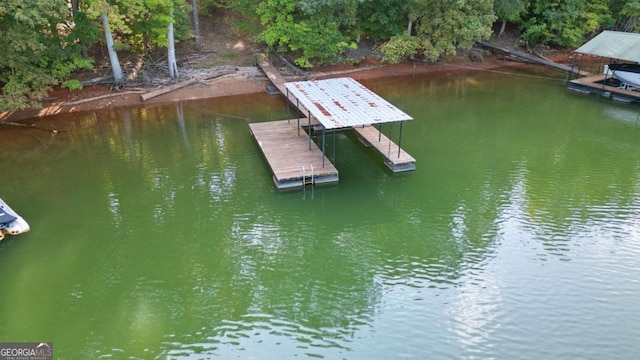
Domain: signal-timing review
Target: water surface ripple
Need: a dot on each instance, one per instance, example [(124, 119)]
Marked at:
[(157, 232)]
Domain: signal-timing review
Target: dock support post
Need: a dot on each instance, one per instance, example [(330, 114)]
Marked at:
[(323, 142), (334, 145), (400, 139), (309, 131), (288, 108), (297, 113), (389, 149)]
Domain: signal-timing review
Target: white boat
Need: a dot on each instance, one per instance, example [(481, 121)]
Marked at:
[(628, 74), (10, 222)]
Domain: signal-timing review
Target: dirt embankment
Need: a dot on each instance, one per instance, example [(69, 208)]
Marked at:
[(247, 80)]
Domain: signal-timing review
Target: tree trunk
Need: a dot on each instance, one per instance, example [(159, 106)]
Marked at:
[(171, 56), (409, 27), (83, 47), (196, 21), (504, 25), (118, 76)]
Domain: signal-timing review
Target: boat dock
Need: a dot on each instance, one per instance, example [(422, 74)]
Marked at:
[(615, 83), (604, 86), (325, 105)]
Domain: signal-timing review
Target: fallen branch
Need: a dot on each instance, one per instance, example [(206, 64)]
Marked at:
[(73, 103), (170, 88), (98, 80), (167, 89)]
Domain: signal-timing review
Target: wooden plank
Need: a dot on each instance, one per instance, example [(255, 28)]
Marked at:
[(288, 154), (396, 158)]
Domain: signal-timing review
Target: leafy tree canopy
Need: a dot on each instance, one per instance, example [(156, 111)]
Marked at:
[(38, 50), (565, 22), (442, 27)]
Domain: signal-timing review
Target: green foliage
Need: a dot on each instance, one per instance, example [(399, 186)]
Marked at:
[(383, 19), (564, 22), (443, 26), (142, 24), (509, 10), (314, 30), (37, 52), (399, 48), (72, 84), (631, 15)]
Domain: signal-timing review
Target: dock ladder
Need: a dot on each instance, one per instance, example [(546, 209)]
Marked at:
[(307, 180)]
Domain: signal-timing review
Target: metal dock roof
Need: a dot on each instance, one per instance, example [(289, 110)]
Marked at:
[(344, 103), (614, 45)]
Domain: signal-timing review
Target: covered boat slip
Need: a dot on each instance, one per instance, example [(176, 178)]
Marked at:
[(616, 46), (326, 106)]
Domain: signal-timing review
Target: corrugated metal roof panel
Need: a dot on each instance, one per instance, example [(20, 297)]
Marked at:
[(344, 102), (613, 44)]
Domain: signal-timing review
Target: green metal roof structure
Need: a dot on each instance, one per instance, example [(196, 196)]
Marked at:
[(614, 45)]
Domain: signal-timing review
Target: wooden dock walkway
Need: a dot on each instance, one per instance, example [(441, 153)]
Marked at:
[(292, 162), (395, 158), (278, 81)]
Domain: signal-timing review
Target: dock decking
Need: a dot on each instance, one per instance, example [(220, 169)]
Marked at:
[(396, 161), (292, 162), (594, 85)]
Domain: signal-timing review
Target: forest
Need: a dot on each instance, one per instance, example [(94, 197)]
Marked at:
[(45, 43)]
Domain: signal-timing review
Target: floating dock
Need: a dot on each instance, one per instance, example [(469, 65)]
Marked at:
[(325, 105), (604, 86), (294, 161)]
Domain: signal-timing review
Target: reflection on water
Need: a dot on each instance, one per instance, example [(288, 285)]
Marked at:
[(158, 233)]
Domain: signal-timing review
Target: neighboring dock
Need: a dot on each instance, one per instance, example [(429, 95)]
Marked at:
[(604, 86), (325, 105), (615, 46)]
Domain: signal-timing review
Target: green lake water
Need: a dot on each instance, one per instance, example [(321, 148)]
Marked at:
[(157, 233)]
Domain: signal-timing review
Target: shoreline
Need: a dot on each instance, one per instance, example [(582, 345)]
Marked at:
[(63, 101)]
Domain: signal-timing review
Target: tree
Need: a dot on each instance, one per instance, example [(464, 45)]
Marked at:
[(508, 11), (171, 53), (160, 21), (382, 19), (631, 11), (564, 22), (441, 27), (38, 51), (314, 30), (118, 76), (196, 21)]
